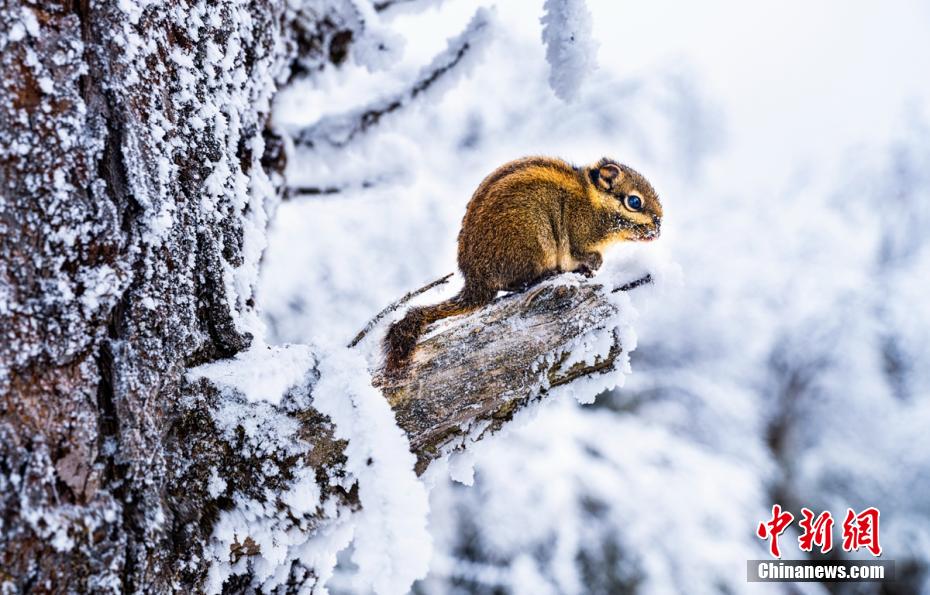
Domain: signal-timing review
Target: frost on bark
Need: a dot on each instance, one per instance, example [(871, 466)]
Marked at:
[(132, 189), (137, 176)]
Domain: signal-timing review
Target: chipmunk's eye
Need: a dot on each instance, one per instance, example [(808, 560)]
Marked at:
[(633, 202)]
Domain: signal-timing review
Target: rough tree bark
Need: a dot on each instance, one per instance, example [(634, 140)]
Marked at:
[(137, 177)]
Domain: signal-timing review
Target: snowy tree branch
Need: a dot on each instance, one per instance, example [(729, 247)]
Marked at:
[(472, 376), (385, 5), (339, 130), (296, 192), (468, 378)]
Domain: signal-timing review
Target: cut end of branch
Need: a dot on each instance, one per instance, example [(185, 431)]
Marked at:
[(472, 373)]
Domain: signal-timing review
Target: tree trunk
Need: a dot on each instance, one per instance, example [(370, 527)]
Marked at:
[(137, 180), (134, 205)]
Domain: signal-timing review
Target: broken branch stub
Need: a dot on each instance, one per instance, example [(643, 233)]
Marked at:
[(473, 373)]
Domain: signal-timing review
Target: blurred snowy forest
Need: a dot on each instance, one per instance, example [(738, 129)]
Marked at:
[(788, 363)]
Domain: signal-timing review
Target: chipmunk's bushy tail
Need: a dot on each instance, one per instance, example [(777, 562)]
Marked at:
[(401, 338)]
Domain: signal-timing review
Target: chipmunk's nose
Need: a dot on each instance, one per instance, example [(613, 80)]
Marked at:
[(658, 223)]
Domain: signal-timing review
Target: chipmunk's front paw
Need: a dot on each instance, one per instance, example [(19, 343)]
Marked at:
[(589, 263), (584, 270)]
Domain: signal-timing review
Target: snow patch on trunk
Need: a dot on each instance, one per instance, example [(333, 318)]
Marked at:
[(260, 373)]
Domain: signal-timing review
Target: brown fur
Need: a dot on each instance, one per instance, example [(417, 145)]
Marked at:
[(530, 219)]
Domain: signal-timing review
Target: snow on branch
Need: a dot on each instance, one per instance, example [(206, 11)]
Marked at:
[(302, 191), (331, 458), (570, 48), (397, 6), (470, 376), (339, 130)]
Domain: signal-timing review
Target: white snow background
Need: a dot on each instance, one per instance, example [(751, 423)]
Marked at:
[(790, 144)]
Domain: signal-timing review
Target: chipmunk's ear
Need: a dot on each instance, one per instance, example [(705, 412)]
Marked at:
[(607, 176)]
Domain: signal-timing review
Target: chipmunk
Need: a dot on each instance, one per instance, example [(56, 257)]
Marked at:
[(530, 219)]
